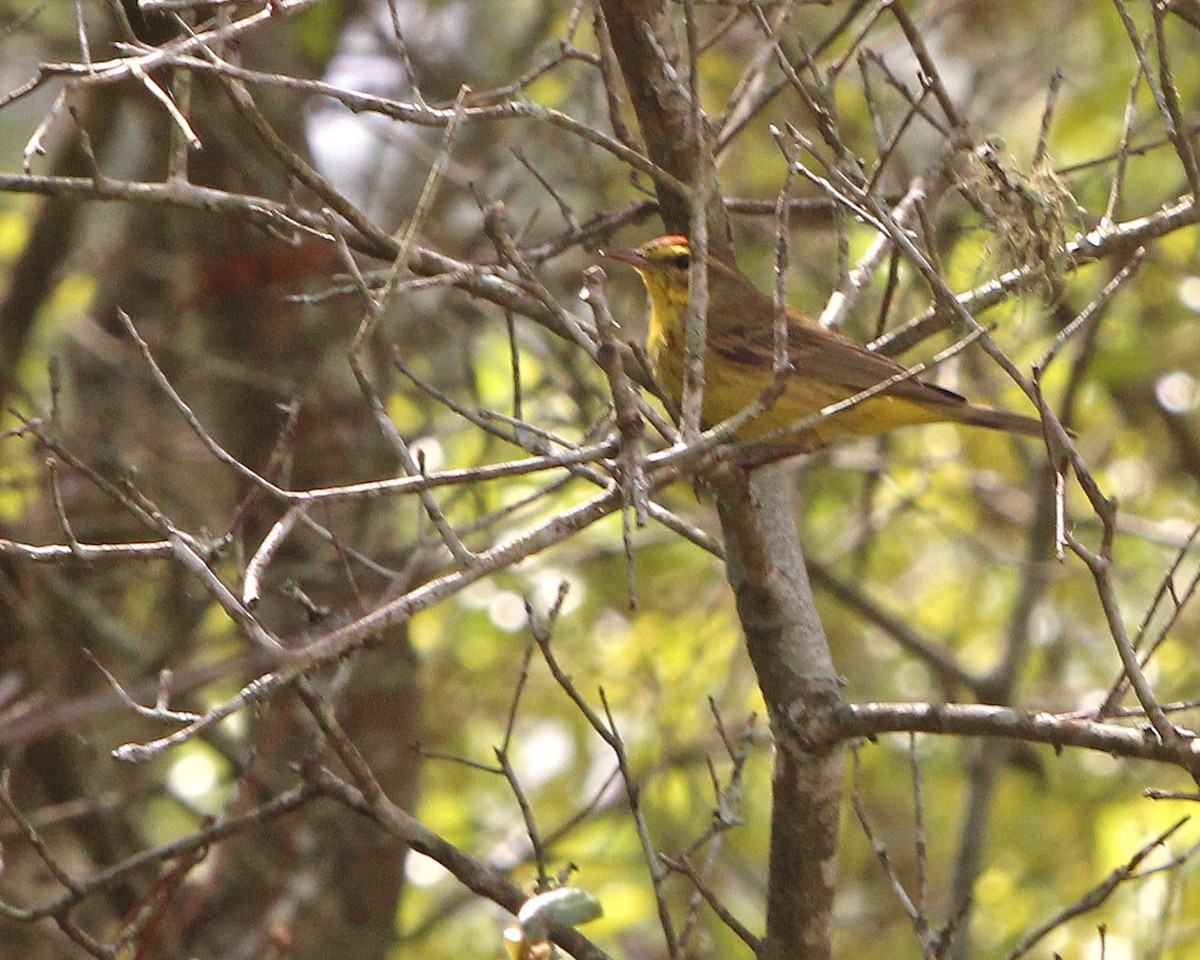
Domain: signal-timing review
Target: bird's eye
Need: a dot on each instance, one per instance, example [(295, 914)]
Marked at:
[(681, 260)]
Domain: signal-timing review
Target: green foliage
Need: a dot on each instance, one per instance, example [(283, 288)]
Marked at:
[(932, 527)]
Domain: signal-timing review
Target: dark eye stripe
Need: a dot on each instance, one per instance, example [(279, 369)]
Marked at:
[(681, 260)]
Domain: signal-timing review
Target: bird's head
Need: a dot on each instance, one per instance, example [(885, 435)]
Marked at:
[(663, 264)]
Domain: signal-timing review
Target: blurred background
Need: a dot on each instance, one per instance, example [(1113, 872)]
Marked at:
[(935, 536)]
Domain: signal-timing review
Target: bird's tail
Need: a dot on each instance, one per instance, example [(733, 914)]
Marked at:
[(994, 419)]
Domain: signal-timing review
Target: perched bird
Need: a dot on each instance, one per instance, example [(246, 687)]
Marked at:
[(826, 366)]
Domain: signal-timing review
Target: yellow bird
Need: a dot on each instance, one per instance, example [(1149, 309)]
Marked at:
[(826, 366)]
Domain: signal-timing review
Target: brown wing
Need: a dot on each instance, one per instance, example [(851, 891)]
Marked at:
[(828, 357)]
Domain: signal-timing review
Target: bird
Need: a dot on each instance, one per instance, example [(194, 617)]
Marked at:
[(826, 367)]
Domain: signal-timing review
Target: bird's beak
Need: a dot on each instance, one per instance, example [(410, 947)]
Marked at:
[(625, 255)]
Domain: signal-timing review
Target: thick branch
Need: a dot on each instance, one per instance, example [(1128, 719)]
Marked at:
[(643, 38), (765, 565), (791, 656), (985, 720)]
